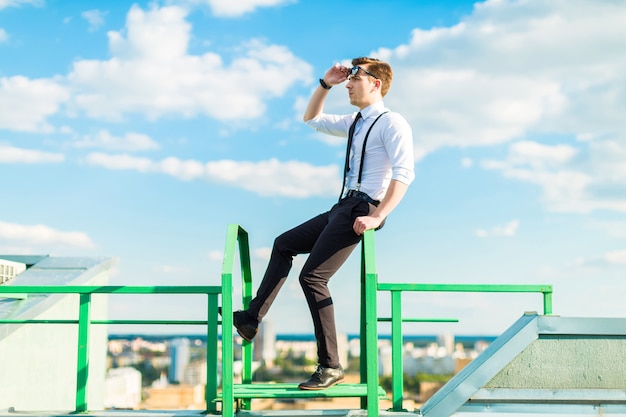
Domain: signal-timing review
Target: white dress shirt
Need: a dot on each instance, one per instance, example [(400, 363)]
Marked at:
[(388, 153)]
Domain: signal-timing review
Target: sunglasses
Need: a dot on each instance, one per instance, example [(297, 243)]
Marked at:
[(354, 70)]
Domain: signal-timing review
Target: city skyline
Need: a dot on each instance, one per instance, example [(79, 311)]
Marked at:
[(139, 130), (297, 336)]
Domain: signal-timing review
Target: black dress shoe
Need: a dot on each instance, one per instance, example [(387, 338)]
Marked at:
[(246, 326), (323, 378)]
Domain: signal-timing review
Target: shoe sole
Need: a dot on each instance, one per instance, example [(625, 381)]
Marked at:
[(247, 339), (304, 388)]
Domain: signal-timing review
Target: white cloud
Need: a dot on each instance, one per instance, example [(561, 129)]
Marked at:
[(172, 269), (13, 155), (611, 228), (95, 18), (41, 234), (573, 180), (519, 70), (563, 191), (267, 178), (151, 73), (616, 257), (538, 155), (468, 108), (507, 230), (237, 8), (120, 162), (25, 104), (273, 177), (16, 3), (230, 8), (263, 253), (216, 255), (129, 142)]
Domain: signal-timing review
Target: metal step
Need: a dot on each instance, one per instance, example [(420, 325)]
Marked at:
[(290, 390)]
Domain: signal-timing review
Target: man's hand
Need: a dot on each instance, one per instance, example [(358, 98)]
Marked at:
[(363, 223), (336, 74), (378, 214)]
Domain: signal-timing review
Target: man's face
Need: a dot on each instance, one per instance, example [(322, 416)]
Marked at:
[(362, 88)]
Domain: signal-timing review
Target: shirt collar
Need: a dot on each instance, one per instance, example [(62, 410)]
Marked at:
[(373, 110)]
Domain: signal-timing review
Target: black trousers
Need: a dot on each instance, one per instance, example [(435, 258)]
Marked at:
[(328, 239)]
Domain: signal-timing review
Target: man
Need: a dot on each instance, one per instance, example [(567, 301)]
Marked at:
[(376, 178)]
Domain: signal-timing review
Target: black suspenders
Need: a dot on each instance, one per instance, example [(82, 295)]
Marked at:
[(358, 181)]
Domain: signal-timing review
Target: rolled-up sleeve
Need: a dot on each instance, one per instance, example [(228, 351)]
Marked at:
[(331, 124), (398, 141)]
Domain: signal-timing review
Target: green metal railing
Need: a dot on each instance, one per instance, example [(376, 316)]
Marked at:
[(237, 241), (396, 318), (84, 322), (369, 329), (236, 238)]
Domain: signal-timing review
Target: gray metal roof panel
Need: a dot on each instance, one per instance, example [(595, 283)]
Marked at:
[(592, 326), (478, 372), (48, 271), (465, 394)]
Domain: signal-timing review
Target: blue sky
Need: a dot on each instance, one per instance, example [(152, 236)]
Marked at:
[(140, 130)]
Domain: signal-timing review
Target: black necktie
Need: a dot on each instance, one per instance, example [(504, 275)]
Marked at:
[(346, 166)]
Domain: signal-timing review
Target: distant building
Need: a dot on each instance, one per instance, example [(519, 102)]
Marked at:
[(179, 358), (175, 397), (384, 358), (264, 345), (10, 269), (195, 373), (122, 388), (446, 341), (307, 349), (342, 348)]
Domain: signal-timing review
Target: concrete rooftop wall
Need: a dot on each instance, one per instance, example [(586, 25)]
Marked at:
[(569, 362)]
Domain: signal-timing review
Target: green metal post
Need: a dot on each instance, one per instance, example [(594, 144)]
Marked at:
[(371, 322), (246, 292), (82, 366), (228, 395), (547, 302), (362, 328), (210, 393), (397, 372)]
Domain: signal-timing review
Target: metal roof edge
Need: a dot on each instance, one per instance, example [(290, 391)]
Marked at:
[(477, 373), (31, 307), (582, 326)]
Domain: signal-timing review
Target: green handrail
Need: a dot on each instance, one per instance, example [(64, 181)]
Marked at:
[(369, 331), (397, 319), (84, 323), (236, 238)]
